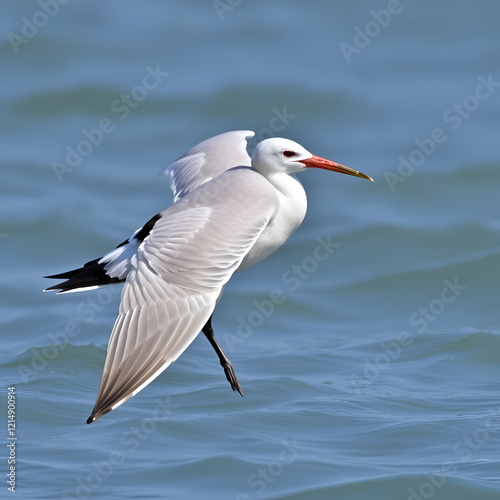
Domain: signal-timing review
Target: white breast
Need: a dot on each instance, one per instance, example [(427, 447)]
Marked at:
[(289, 216)]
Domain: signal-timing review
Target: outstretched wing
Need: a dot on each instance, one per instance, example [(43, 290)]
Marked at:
[(207, 160), (176, 276)]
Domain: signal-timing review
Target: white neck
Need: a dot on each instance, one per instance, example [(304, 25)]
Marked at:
[(293, 200), (291, 193)]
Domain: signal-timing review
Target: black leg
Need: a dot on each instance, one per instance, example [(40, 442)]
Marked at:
[(225, 363)]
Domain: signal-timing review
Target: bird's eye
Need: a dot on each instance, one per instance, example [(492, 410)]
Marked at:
[(288, 154)]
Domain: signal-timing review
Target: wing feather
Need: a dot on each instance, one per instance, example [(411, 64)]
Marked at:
[(176, 277), (207, 160)]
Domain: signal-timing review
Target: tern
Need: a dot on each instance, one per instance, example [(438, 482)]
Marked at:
[(229, 212)]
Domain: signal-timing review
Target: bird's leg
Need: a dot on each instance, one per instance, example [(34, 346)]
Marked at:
[(225, 363)]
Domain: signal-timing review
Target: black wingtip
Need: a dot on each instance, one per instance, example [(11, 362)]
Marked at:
[(93, 417), (54, 287), (98, 412), (92, 274), (63, 276)]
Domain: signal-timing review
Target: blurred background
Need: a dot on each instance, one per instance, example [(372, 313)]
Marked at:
[(377, 374)]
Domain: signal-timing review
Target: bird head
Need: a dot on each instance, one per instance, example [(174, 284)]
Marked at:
[(279, 155)]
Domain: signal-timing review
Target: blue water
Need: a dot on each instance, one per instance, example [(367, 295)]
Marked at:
[(376, 374)]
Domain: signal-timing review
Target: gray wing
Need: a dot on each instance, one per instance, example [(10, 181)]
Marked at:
[(207, 160), (176, 277)]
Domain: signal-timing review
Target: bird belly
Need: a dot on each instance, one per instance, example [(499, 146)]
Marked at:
[(263, 247)]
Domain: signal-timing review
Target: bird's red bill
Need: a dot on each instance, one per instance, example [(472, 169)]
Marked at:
[(318, 162)]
